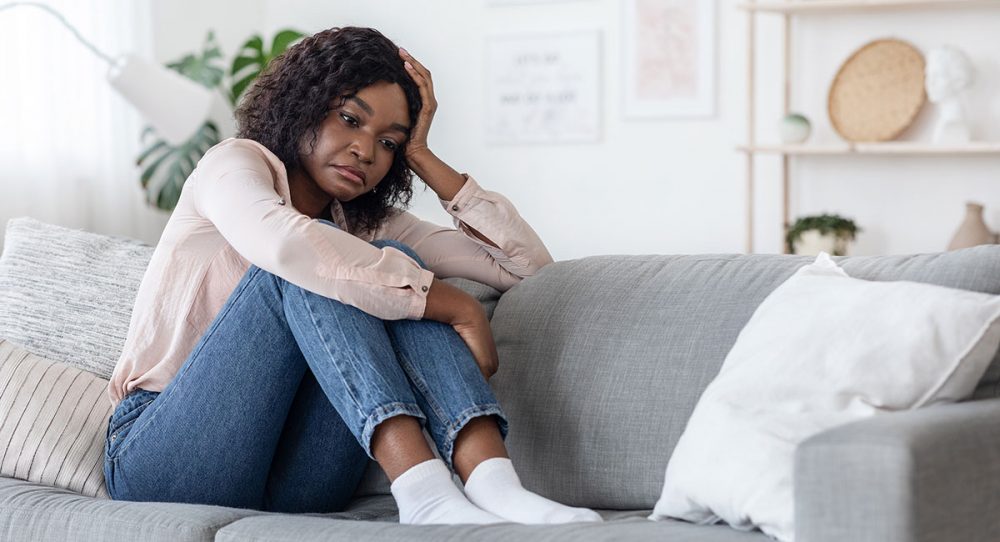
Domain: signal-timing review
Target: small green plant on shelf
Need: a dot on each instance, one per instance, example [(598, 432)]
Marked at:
[(165, 167), (837, 230)]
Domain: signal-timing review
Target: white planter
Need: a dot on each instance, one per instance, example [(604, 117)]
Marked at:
[(811, 243)]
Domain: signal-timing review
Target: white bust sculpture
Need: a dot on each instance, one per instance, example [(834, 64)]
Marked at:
[(948, 74)]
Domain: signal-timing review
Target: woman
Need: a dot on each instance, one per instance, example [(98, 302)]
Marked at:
[(291, 324)]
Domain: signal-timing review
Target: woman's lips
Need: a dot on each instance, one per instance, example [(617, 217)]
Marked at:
[(349, 175)]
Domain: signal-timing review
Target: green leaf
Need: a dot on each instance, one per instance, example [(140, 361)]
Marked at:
[(169, 167), (240, 87), (282, 40), (170, 192), (242, 62), (150, 171), (202, 68), (252, 60), (156, 146)]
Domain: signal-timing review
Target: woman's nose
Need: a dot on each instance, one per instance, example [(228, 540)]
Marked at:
[(364, 149)]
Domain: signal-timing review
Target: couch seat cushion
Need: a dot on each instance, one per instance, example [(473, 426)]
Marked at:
[(629, 525), (30, 511)]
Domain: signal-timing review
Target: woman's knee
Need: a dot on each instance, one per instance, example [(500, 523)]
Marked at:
[(402, 247)]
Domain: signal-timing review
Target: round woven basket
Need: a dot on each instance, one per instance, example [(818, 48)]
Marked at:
[(878, 91)]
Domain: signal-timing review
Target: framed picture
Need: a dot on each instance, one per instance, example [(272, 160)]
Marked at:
[(669, 58), (543, 88)]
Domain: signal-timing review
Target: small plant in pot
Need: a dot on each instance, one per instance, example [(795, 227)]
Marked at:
[(810, 235)]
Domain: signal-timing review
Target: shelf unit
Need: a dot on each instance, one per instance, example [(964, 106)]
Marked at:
[(787, 9)]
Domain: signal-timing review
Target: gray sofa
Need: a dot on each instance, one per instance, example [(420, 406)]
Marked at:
[(602, 361)]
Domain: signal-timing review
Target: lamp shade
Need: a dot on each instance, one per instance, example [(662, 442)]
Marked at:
[(174, 105)]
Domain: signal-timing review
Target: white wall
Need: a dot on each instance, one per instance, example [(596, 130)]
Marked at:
[(660, 186)]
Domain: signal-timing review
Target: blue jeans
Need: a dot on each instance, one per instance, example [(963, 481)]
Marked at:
[(275, 407)]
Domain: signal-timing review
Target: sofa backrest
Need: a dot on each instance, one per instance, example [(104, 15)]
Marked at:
[(602, 359)]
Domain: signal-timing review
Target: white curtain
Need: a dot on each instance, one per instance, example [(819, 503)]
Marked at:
[(68, 141)]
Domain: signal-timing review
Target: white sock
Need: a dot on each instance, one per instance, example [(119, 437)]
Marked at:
[(425, 493), (495, 487)]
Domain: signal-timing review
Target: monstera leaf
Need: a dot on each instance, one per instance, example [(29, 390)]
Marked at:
[(253, 59), (165, 167), (201, 68)]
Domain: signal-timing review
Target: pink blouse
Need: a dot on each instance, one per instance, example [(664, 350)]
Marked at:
[(235, 210)]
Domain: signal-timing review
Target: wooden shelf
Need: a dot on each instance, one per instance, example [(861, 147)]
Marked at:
[(825, 6), (893, 147), (789, 10)]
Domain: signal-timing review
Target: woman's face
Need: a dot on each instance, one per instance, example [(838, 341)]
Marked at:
[(357, 141)]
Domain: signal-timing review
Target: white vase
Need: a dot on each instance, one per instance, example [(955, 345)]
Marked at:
[(812, 242)]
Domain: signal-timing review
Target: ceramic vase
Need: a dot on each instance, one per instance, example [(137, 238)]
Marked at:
[(794, 128), (973, 230), (812, 242)]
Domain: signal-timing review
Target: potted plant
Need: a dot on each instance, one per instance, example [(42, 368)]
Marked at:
[(811, 235), (166, 167)]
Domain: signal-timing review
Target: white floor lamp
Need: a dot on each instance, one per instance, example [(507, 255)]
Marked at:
[(174, 105)]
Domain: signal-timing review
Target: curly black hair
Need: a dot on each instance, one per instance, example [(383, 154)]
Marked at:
[(288, 102)]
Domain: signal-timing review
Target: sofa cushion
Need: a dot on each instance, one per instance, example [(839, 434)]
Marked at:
[(602, 359), (619, 525), (30, 511), (53, 420), (68, 294)]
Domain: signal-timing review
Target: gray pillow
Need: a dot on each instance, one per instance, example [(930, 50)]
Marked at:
[(67, 294), (603, 358)]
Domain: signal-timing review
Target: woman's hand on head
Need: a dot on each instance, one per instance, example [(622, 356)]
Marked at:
[(422, 77)]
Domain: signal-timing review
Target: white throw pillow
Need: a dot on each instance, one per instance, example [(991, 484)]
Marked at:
[(821, 350), (53, 422)]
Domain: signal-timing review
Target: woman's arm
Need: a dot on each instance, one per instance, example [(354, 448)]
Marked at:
[(451, 305), (514, 253), (234, 188), (491, 242), (443, 180)]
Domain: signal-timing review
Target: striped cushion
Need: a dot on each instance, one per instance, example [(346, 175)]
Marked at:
[(53, 420), (68, 294)]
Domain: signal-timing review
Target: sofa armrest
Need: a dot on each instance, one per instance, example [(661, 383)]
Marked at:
[(923, 475)]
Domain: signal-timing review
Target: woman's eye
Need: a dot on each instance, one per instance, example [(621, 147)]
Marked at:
[(350, 120), (390, 144)]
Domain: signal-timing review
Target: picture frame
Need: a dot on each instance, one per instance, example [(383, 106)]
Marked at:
[(544, 88), (669, 59)]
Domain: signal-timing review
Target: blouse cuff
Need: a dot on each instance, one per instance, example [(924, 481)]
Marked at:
[(463, 198), (422, 288)]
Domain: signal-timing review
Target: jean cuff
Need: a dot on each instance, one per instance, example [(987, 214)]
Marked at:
[(463, 418), (383, 413)]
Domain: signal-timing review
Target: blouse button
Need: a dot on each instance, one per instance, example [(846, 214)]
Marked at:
[(424, 288), (281, 201), (454, 207)]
